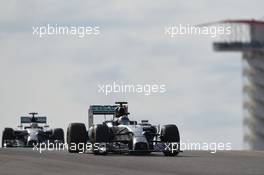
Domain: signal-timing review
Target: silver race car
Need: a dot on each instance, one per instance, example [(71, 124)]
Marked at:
[(34, 132), (121, 135)]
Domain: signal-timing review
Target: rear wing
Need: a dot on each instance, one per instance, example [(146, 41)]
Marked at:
[(100, 110), (27, 119)]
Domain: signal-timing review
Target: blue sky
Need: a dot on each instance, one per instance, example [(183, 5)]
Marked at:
[(58, 76)]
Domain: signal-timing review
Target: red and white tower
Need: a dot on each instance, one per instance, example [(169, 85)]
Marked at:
[(248, 37)]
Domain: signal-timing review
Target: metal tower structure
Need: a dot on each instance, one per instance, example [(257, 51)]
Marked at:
[(247, 36)]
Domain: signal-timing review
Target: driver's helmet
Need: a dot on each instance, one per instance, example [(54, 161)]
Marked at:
[(34, 125), (120, 111), (124, 120)]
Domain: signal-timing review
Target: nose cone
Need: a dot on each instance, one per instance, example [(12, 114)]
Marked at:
[(32, 136)]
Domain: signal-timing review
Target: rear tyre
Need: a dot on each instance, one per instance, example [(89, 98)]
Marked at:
[(76, 137), (170, 134), (101, 136), (8, 134)]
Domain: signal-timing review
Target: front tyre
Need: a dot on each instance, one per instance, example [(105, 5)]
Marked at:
[(8, 134), (58, 134), (101, 135), (76, 137), (170, 135)]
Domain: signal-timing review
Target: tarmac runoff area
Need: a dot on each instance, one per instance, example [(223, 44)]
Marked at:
[(29, 162)]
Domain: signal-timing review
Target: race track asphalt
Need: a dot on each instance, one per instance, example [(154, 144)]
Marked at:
[(25, 161)]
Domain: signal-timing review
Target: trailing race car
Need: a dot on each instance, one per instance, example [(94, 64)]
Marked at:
[(121, 135), (32, 134)]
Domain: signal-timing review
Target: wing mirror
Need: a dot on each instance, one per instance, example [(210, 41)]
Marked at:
[(20, 126)]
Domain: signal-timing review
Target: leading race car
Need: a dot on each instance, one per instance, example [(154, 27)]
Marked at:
[(121, 135), (32, 134)]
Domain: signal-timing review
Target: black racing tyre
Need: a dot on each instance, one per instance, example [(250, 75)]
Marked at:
[(41, 136), (170, 134), (76, 135), (58, 134), (8, 134), (101, 135)]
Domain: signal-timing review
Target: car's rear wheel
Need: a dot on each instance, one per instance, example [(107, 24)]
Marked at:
[(8, 134), (76, 137), (170, 135)]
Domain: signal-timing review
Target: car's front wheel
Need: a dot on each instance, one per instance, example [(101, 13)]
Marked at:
[(171, 136), (76, 137), (100, 136), (8, 134), (58, 134)]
